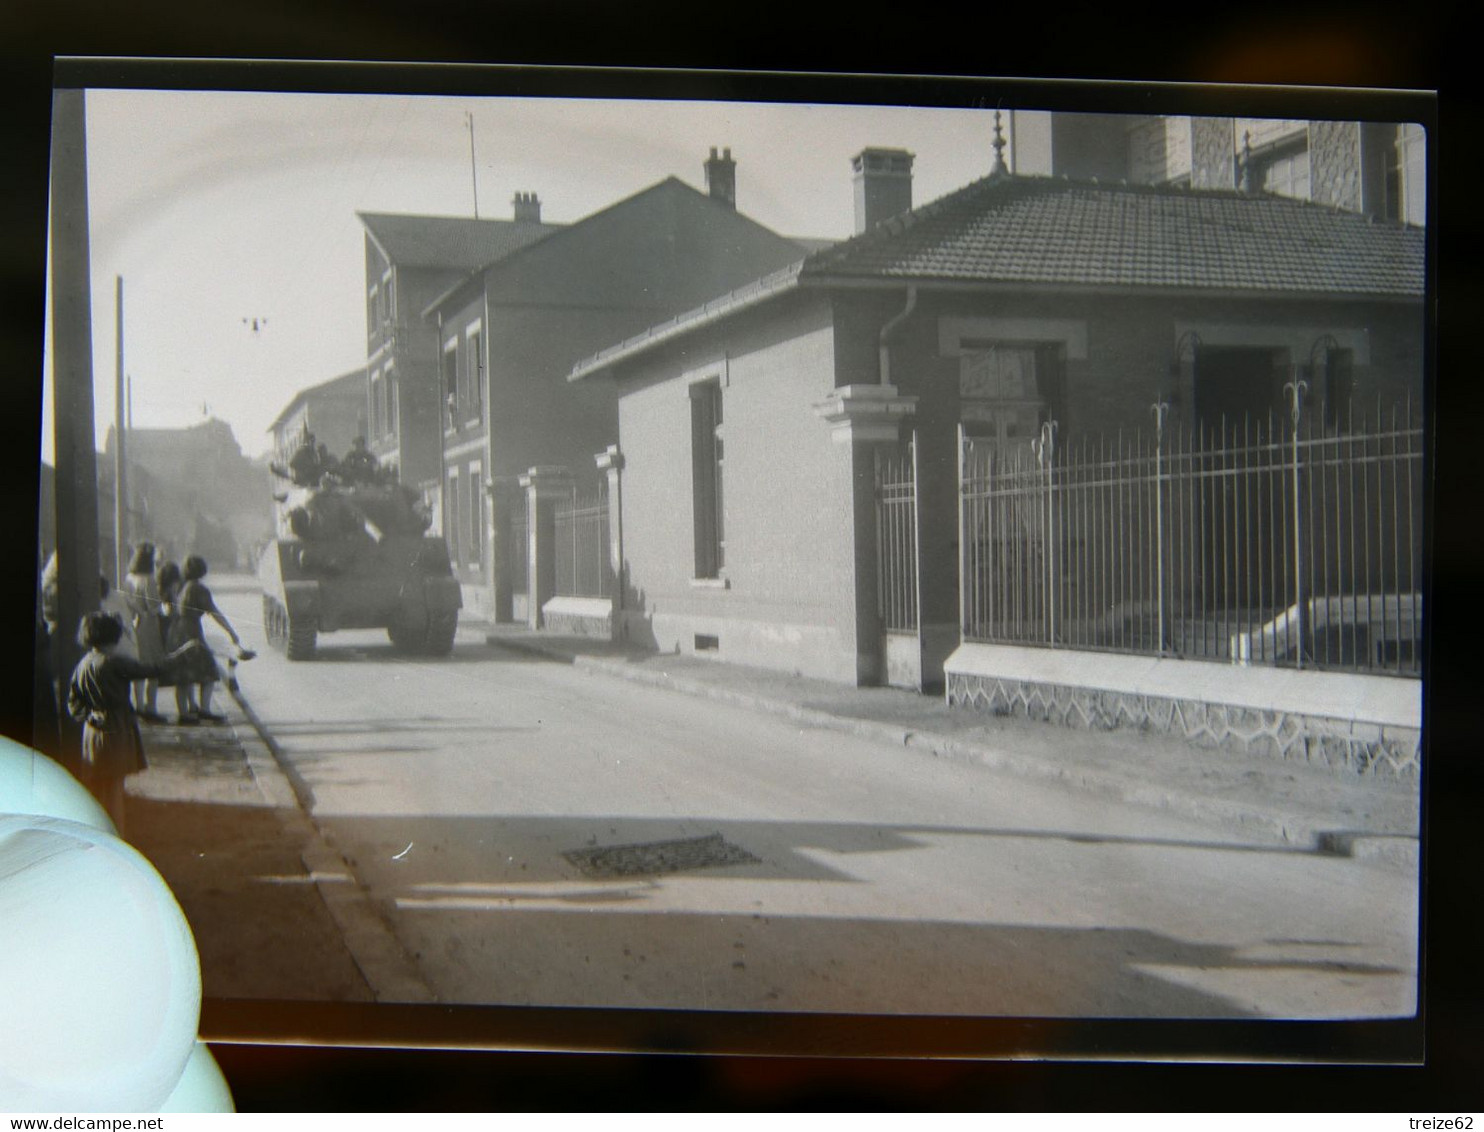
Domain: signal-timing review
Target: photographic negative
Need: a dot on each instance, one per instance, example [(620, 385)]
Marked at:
[(707, 560)]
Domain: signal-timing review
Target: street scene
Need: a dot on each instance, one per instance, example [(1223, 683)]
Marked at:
[(459, 811), (562, 556)]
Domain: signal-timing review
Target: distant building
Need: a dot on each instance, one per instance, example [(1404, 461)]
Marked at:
[(508, 334), (1376, 168), (335, 411), (191, 491)]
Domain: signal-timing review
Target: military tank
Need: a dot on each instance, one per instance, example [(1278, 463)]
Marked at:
[(357, 556)]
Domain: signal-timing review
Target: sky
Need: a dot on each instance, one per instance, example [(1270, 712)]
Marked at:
[(216, 209)]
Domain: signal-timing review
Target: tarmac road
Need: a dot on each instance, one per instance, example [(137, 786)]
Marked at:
[(534, 833)]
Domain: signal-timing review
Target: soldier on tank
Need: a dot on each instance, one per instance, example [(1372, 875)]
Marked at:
[(305, 468), (329, 467), (360, 465)]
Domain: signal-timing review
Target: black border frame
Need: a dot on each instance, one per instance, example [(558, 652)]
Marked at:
[(1336, 1045)]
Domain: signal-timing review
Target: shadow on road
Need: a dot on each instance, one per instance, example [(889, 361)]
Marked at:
[(261, 928), (503, 895)]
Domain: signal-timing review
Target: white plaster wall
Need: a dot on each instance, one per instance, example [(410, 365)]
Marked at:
[(787, 597)]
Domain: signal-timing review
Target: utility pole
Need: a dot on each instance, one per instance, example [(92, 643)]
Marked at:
[(473, 169), (120, 460), (72, 390)]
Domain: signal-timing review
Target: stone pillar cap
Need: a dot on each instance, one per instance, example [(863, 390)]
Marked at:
[(544, 475), (866, 412)]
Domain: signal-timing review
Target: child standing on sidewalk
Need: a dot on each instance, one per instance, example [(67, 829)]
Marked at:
[(98, 697)]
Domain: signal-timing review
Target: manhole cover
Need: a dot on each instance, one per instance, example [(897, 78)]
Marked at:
[(654, 857)]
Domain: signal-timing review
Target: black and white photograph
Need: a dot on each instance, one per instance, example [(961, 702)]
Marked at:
[(750, 557)]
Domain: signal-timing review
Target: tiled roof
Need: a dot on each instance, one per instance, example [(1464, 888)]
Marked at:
[(457, 242), (1044, 230), (812, 244), (1052, 232)]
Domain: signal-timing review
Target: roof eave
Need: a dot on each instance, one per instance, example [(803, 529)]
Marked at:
[(1168, 290), (795, 277), (743, 298), (446, 296)]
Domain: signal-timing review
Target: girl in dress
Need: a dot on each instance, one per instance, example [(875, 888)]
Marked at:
[(167, 586), (198, 671), (142, 593)]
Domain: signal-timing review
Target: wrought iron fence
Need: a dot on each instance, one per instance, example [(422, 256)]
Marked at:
[(516, 543), (1294, 543), (896, 538), (582, 562)]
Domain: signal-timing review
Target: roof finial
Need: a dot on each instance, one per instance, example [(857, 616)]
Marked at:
[(1244, 164), (999, 148)]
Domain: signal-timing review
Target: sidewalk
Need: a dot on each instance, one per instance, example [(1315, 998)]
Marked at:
[(1375, 820), (285, 918)]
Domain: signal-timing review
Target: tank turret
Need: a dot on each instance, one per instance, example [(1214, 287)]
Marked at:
[(357, 555)]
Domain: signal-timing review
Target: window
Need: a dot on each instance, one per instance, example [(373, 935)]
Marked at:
[(1008, 390), (707, 461), (1284, 173), (476, 374), (451, 517), (393, 407), (473, 545), (1406, 176), (451, 383), (376, 413)]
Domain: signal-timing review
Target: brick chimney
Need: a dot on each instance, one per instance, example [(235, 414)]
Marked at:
[(527, 208), (721, 177), (883, 185)]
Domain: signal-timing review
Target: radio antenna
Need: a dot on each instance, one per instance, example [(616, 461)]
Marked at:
[(473, 169)]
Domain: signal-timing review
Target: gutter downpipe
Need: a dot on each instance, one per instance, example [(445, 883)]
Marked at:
[(886, 331), (885, 379)]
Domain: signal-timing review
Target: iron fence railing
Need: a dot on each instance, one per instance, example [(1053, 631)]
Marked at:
[(896, 538), (1294, 543), (517, 543), (583, 567)]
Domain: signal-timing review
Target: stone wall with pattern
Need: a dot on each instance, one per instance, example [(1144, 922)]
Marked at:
[(1335, 164), (1346, 747), (1212, 159)]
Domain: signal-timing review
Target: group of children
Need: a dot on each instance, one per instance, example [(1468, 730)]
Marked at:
[(111, 690)]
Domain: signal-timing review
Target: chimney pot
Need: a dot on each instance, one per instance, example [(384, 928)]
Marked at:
[(883, 185), (527, 208), (721, 177)]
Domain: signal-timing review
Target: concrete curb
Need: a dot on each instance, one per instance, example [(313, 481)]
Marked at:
[(385, 965), (1300, 830)]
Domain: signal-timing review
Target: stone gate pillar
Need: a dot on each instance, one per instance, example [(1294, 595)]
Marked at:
[(863, 418), (610, 461), (507, 547), (545, 487)]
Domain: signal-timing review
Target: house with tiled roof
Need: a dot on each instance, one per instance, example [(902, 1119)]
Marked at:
[(410, 259), (797, 485), (506, 335)]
